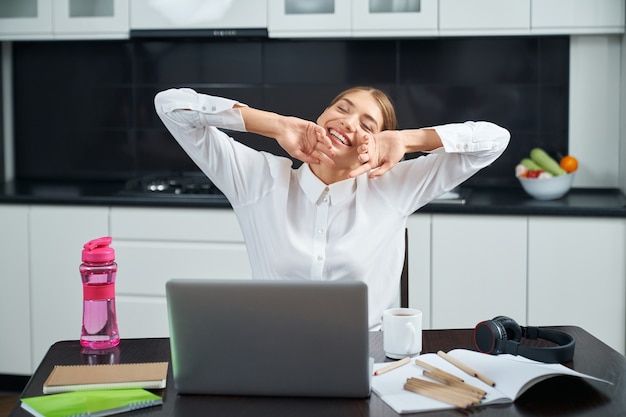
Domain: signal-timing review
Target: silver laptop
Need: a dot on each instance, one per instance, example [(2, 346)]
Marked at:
[(269, 338)]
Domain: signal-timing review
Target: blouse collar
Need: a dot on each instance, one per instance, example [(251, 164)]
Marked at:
[(316, 190)]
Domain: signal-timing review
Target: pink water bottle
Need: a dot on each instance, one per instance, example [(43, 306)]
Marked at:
[(98, 272)]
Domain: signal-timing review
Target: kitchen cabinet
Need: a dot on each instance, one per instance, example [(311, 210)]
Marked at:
[(151, 245), (462, 269), (414, 18), (56, 235), (482, 17), (523, 17), (193, 14), (478, 269), (354, 18), (577, 275), (383, 18), (15, 355), (26, 19), (156, 245), (63, 19), (577, 16), (90, 19), (113, 19), (538, 270)]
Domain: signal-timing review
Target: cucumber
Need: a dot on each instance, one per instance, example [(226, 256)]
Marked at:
[(530, 164), (545, 161)]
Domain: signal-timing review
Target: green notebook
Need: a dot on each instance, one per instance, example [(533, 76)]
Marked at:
[(90, 403)]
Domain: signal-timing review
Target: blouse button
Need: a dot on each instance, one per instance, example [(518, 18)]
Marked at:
[(320, 257)]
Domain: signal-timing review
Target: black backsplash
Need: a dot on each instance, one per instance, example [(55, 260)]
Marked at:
[(84, 110)]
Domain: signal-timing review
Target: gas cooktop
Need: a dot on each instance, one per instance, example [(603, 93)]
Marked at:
[(197, 185), (187, 184)]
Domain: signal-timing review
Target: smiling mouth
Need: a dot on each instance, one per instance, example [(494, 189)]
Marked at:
[(342, 139)]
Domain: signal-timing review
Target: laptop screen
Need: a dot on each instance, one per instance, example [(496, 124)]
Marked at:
[(255, 337)]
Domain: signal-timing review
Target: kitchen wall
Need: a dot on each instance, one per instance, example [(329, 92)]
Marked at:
[(84, 109), (594, 116)]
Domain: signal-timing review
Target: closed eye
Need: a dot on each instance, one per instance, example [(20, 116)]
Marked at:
[(369, 123), (367, 127)]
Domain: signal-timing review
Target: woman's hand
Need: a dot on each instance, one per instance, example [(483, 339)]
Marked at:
[(379, 153), (305, 141), (300, 138)]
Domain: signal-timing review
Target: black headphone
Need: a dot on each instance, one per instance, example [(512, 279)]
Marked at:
[(503, 335)]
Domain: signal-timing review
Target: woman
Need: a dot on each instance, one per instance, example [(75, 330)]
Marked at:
[(327, 220)]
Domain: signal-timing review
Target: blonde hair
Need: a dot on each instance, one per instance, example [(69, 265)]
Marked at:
[(385, 105)]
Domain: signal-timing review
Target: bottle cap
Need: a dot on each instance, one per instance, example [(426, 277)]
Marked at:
[(98, 250)]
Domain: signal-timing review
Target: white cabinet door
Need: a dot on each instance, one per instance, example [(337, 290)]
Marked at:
[(154, 245), (478, 269), (384, 18), (57, 235), (309, 18), (139, 317), (26, 19), (577, 16), (577, 275), (15, 358), (89, 19), (194, 14), (63, 19), (145, 267), (484, 17), (175, 224)]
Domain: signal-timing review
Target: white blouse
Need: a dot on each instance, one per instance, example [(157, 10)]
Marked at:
[(297, 227)]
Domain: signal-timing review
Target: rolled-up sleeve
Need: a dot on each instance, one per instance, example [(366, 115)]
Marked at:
[(197, 122), (485, 138), (182, 110), (467, 148)]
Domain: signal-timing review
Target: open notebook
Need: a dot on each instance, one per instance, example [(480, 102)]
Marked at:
[(512, 375)]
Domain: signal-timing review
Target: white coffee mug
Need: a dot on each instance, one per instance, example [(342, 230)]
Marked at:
[(402, 332)]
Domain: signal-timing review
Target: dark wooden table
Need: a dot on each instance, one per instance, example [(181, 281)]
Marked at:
[(561, 396)]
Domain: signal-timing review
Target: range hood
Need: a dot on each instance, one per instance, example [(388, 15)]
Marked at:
[(198, 18), (199, 33)]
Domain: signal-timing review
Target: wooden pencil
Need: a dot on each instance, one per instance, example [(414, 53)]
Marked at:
[(441, 393), (393, 366), (466, 368), (435, 369), (456, 391), (438, 395), (453, 382)]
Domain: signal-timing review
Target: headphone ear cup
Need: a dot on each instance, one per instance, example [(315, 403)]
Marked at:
[(490, 337), (512, 329)]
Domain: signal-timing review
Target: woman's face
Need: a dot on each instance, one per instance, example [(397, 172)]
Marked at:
[(348, 120)]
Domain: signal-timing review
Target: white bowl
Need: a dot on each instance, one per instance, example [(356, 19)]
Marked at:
[(547, 188)]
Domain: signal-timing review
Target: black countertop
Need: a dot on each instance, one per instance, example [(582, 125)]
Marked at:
[(491, 201)]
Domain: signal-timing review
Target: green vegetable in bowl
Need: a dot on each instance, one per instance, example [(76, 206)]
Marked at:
[(546, 162), (530, 164)]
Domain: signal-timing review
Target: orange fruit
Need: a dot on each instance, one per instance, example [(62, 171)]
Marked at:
[(569, 163)]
